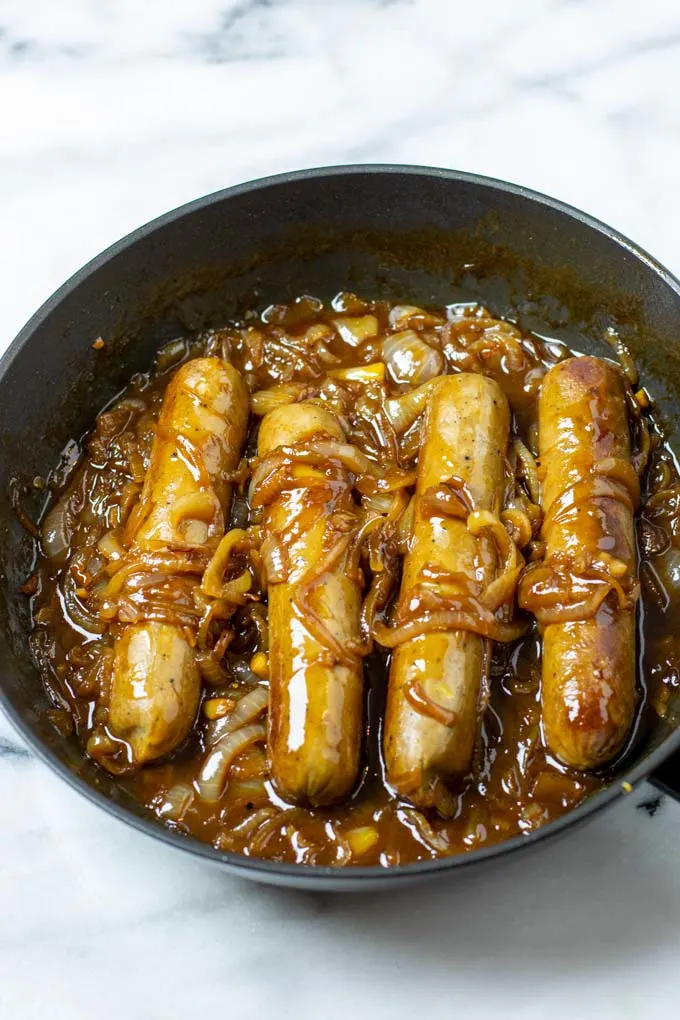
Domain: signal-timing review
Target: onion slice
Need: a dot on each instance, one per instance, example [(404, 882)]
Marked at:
[(410, 359), (528, 468), (354, 330), (501, 590), (213, 775), (403, 410), (213, 583), (367, 374), (477, 620), (420, 827), (561, 591), (177, 802), (57, 531), (248, 708), (264, 401)]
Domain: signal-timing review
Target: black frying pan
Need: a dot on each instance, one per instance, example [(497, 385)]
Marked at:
[(385, 231)]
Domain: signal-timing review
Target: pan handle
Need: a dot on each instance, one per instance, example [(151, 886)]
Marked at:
[(667, 777)]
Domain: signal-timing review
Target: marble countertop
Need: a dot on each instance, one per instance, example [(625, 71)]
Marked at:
[(113, 112)]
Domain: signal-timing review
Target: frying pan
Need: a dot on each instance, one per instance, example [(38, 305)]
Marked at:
[(432, 236)]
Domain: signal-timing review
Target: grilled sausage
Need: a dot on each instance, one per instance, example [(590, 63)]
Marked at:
[(588, 690), (202, 426), (316, 682), (465, 437)]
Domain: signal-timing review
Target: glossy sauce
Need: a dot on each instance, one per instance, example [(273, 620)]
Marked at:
[(514, 785)]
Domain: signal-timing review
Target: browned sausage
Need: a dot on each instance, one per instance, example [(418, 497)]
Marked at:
[(201, 429), (316, 683), (589, 493), (434, 684)]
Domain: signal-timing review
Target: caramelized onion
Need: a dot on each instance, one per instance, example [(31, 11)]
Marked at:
[(434, 842), (272, 474), (366, 374), (247, 709), (347, 654), (177, 802), (248, 791), (405, 526), (448, 499), (519, 526), (139, 512), (81, 618), (380, 502), (410, 359), (529, 470), (403, 410), (213, 583), (213, 774), (248, 828), (566, 611), (501, 590), (503, 340), (207, 608), (371, 524), (481, 344), (382, 585), (152, 579), (401, 317), (626, 359), (393, 480), (129, 611), (478, 620), (622, 471), (264, 401), (561, 591), (418, 697), (135, 463), (57, 532), (280, 478), (355, 330), (141, 563), (351, 457), (641, 458), (211, 669), (275, 560), (202, 507), (583, 492), (663, 496), (410, 443), (268, 828), (253, 617), (109, 545)]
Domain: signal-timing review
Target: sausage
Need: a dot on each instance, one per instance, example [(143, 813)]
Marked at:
[(156, 689), (156, 683), (316, 691), (588, 688), (465, 437), (200, 432)]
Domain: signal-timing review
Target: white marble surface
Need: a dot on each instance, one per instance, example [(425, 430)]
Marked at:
[(113, 112)]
